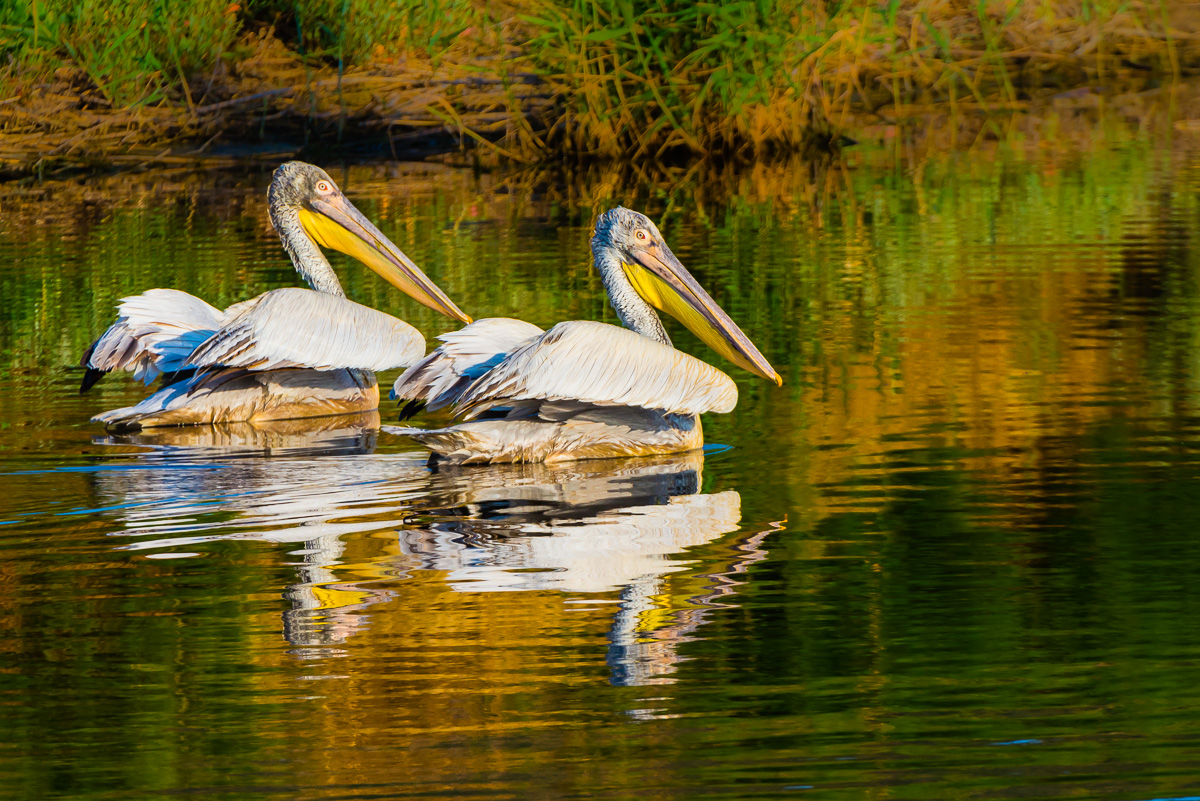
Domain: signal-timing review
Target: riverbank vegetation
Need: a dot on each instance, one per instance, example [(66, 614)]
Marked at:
[(105, 80)]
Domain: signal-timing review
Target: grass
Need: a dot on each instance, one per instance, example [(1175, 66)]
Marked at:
[(128, 52), (355, 30), (147, 51), (642, 77), (627, 78)]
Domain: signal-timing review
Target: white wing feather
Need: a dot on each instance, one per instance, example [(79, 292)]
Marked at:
[(604, 365), (154, 333), (295, 327), (466, 354)]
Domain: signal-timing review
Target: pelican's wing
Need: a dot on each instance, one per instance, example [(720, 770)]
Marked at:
[(439, 378), (295, 327), (603, 365), (154, 333)]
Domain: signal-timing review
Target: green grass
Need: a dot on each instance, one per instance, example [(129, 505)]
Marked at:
[(132, 52), (354, 30), (648, 76), (635, 78), (143, 52)]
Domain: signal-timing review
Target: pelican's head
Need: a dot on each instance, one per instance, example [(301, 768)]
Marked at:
[(664, 283), (330, 220)]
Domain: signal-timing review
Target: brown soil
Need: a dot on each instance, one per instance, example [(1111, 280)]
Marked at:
[(271, 105)]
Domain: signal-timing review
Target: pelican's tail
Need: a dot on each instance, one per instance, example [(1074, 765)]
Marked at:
[(451, 444), (154, 333)]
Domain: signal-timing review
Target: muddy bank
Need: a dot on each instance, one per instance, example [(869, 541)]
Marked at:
[(272, 105), (491, 103)]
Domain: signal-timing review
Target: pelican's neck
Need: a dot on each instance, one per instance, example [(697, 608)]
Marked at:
[(636, 314), (307, 258)]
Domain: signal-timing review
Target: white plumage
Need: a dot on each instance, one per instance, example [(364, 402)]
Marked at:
[(287, 353), (295, 327), (585, 390), (155, 332), (249, 396), (604, 365), (165, 330), (580, 390), (465, 355)]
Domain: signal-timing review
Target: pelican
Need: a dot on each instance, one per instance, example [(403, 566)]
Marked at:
[(288, 353), (585, 390)]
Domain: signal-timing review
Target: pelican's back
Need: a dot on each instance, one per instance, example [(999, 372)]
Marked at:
[(580, 390), (294, 327)]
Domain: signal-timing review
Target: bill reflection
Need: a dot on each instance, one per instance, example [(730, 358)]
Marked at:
[(327, 609)]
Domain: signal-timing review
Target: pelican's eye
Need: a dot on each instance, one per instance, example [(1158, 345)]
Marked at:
[(641, 235), (324, 187)]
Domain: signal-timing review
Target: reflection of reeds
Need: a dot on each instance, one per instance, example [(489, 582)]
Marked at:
[(593, 77)]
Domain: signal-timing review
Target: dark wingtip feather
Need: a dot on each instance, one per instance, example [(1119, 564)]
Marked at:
[(87, 354), (90, 376), (411, 408)]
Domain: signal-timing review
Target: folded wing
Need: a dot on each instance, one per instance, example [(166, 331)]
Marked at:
[(438, 379), (295, 327), (604, 365)]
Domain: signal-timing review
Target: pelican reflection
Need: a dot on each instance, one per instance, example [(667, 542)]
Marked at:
[(362, 526), (588, 528), (334, 435), (333, 499)]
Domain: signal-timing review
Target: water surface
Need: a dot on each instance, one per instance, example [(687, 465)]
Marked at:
[(955, 556)]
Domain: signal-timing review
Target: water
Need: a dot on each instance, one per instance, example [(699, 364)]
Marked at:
[(955, 556)]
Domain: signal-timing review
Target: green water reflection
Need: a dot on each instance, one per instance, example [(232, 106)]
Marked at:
[(955, 556)]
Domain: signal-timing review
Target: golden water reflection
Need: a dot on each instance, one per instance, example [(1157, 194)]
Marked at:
[(615, 536), (985, 447), (590, 528), (335, 435)]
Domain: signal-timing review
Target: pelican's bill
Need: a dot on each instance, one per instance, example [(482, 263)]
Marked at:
[(667, 286), (335, 223)]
